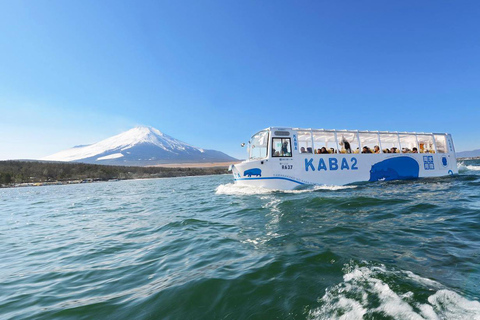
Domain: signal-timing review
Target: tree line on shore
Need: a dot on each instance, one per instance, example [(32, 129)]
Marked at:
[(15, 172)]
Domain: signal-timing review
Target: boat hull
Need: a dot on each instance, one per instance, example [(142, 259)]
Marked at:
[(341, 169)]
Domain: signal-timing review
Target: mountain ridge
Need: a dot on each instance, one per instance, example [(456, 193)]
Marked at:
[(468, 154), (139, 146)]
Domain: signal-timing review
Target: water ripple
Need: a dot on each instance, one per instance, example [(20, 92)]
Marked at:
[(204, 248)]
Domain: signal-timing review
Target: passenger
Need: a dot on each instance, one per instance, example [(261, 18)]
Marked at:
[(302, 150), (366, 150), (331, 150), (318, 151), (324, 150), (376, 149), (414, 150), (393, 150), (277, 154), (347, 147), (285, 147), (309, 150), (344, 143)]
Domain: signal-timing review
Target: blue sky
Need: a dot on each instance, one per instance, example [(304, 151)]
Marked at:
[(211, 73)]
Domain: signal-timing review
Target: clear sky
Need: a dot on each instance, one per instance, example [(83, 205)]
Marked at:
[(212, 73)]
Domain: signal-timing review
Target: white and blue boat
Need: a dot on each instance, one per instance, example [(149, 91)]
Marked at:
[(285, 158)]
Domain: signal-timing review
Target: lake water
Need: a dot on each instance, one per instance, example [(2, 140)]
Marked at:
[(203, 248)]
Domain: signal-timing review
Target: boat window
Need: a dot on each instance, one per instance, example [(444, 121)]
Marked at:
[(281, 147), (389, 143), (282, 133), (304, 141), (258, 145), (324, 142), (348, 142), (425, 143), (441, 143), (408, 142), (369, 143)]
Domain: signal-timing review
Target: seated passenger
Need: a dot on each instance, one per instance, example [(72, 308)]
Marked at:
[(393, 150), (309, 150), (324, 150), (414, 150), (302, 150), (318, 151), (331, 150), (376, 149), (366, 150), (277, 154)]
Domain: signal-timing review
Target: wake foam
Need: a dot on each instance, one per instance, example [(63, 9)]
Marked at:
[(374, 291), (462, 167), (473, 168), (235, 189)]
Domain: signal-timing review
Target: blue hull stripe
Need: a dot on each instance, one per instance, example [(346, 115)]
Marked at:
[(271, 178)]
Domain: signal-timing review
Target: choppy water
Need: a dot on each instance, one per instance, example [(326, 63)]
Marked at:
[(202, 248)]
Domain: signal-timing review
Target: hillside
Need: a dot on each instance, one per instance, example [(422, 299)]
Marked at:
[(469, 154), (16, 172)]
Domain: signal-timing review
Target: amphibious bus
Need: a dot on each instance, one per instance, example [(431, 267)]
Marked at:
[(285, 158)]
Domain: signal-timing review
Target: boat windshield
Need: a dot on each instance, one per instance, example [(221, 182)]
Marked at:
[(259, 145)]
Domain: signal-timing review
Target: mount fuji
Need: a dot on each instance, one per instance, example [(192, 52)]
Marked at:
[(139, 146)]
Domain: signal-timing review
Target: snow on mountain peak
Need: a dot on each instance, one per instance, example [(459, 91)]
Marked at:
[(137, 136)]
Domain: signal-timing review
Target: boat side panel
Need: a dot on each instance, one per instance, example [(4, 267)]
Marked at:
[(341, 169)]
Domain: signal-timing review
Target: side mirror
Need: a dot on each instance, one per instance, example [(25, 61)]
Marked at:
[(242, 145)]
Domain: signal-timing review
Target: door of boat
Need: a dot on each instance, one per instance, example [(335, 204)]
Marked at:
[(281, 158)]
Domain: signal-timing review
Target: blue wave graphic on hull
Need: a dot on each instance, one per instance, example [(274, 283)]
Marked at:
[(271, 178), (401, 168)]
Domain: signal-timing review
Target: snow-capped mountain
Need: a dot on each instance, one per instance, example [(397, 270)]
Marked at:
[(139, 146)]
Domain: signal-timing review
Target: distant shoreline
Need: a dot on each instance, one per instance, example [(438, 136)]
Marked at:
[(469, 158), (197, 165), (15, 173)]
